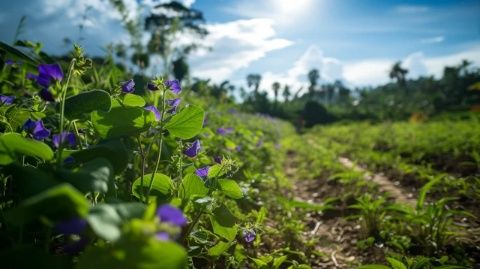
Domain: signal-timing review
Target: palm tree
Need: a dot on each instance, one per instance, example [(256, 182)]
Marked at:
[(276, 88), (286, 93), (313, 77), (398, 73), (253, 80)]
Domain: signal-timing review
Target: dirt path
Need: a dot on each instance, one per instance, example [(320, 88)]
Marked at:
[(385, 184), (338, 237)]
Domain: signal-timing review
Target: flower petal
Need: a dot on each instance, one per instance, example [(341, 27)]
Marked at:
[(158, 115), (170, 214), (193, 150)]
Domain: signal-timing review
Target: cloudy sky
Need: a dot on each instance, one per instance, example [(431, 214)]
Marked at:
[(355, 41)]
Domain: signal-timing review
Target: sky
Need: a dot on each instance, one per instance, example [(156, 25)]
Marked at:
[(348, 40)]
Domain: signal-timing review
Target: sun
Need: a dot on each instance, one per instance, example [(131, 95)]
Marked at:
[(292, 7)]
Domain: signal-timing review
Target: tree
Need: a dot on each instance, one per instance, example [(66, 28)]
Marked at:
[(165, 23), (286, 93), (313, 77), (133, 26), (180, 68), (398, 73), (276, 89), (253, 80)]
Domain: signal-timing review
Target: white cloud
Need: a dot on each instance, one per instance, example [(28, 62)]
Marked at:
[(282, 12), (375, 71), (435, 65), (330, 69), (433, 40), (367, 72), (411, 9), (415, 64), (235, 45)]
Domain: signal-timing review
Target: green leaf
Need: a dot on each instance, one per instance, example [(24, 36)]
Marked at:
[(216, 170), (13, 146), (279, 261), (192, 185), (18, 54), (223, 223), (187, 123), (396, 264), (230, 188), (133, 100), (58, 203), (121, 121), (219, 248), (424, 190), (106, 219), (86, 102), (29, 180), (93, 176), (134, 252), (113, 150), (162, 185)]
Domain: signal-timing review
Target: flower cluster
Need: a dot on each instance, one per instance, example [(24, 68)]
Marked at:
[(172, 85), (38, 131), (47, 74)]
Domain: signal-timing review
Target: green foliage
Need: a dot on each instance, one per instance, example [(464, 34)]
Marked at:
[(57, 203), (187, 123), (121, 121), (86, 102), (13, 146)]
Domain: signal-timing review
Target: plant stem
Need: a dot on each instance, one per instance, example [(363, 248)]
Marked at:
[(160, 146), (78, 134), (63, 94), (142, 155)]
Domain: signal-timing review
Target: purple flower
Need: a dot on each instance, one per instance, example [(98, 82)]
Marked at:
[(64, 138), (36, 129), (71, 226), (128, 86), (31, 76), (238, 148), (48, 73), (46, 95), (162, 236), (170, 214), (193, 150), (152, 87), (202, 172), (9, 62), (174, 104), (221, 131), (249, 235), (174, 86), (6, 100), (158, 115), (224, 131), (218, 159)]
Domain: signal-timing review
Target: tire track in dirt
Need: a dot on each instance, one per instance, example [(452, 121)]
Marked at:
[(336, 238), (385, 184)]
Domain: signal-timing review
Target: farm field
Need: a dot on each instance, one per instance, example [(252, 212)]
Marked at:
[(137, 134)]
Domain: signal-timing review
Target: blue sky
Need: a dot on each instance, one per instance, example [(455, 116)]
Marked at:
[(355, 41)]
